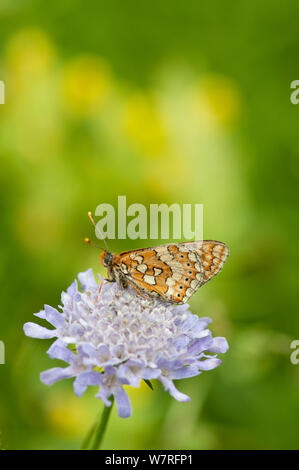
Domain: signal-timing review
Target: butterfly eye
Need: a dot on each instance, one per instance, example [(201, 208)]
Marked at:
[(188, 264), (181, 287), (189, 272), (186, 279), (181, 256), (178, 295)]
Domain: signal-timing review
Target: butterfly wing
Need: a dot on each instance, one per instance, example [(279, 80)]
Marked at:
[(147, 271), (213, 255), (172, 272)]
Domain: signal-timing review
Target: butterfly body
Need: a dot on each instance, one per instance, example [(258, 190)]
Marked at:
[(172, 272)]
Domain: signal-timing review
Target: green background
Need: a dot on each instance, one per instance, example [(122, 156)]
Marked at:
[(174, 102)]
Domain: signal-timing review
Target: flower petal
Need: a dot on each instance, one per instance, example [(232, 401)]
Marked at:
[(200, 344), (85, 379), (169, 364), (87, 280), (209, 364), (50, 376), (203, 322), (104, 393), (189, 323), (73, 288), (40, 314), (170, 387), (184, 372), (123, 404), (36, 331), (87, 350), (219, 345), (58, 350), (148, 374), (54, 317)]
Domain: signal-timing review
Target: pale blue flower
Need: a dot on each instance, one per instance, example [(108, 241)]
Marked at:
[(121, 338)]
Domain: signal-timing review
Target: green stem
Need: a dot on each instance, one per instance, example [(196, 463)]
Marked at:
[(100, 430), (85, 443)]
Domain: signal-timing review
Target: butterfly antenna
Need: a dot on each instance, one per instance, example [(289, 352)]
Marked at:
[(87, 240), (93, 222)]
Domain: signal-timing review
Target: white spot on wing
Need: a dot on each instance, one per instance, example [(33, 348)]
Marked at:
[(137, 258), (217, 250), (170, 282), (192, 256), (167, 258), (149, 279), (157, 271), (141, 268), (182, 248)]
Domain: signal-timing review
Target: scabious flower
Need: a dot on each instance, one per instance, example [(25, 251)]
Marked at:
[(110, 337)]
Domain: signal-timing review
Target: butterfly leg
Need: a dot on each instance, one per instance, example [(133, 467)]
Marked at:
[(137, 290), (100, 288), (121, 279)]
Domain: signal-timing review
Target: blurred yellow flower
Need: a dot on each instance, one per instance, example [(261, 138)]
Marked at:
[(217, 100), (67, 415), (143, 125), (28, 55), (141, 395), (222, 97), (31, 125), (38, 226), (86, 83), (155, 182)]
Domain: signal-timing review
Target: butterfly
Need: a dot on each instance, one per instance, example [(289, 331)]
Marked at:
[(171, 272)]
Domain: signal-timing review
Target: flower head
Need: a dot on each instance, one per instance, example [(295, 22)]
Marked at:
[(119, 338)]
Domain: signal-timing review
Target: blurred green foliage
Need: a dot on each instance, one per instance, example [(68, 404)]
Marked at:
[(161, 102)]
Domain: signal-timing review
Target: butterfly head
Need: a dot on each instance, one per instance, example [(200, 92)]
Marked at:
[(106, 258)]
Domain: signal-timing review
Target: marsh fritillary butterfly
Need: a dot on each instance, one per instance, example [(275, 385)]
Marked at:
[(172, 272)]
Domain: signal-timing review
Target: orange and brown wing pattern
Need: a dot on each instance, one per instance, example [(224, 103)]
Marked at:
[(146, 271), (172, 272), (213, 255)]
